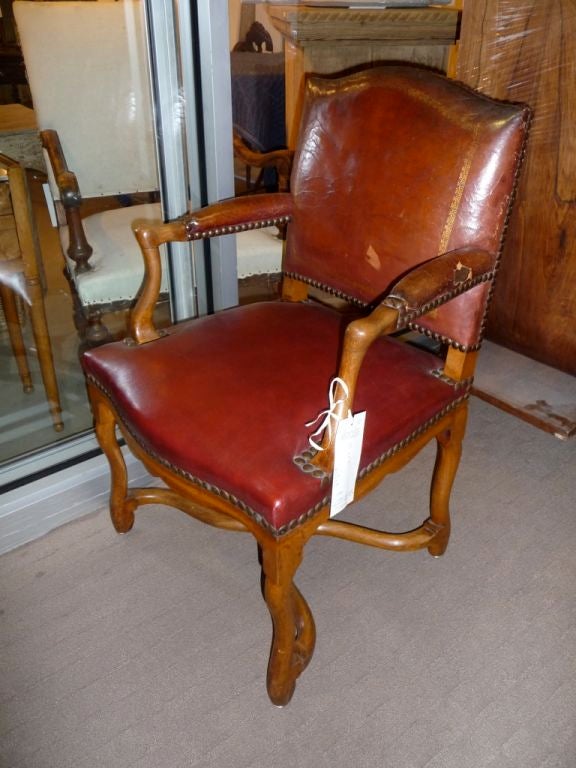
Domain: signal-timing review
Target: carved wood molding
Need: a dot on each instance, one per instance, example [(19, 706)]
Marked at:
[(401, 26)]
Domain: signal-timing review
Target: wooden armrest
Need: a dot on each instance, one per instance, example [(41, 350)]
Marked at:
[(226, 217), (439, 280), (239, 214), (69, 189), (424, 288), (65, 179), (79, 249)]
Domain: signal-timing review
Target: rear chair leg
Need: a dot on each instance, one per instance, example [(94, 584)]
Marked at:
[(449, 450), (121, 505)]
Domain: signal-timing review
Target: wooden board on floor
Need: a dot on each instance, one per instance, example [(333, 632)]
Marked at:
[(536, 393)]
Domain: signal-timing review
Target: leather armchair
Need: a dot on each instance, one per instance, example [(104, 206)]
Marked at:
[(400, 191)]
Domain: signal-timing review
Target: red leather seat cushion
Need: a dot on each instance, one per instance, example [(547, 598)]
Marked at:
[(225, 399)]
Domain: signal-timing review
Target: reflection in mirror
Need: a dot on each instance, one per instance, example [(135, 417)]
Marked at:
[(43, 392), (68, 51)]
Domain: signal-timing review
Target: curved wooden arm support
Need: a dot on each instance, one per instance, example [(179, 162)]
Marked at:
[(424, 288), (141, 328), (358, 337), (281, 159), (223, 218), (79, 249)]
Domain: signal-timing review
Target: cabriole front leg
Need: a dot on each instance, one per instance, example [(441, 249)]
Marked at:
[(294, 633), (121, 505)]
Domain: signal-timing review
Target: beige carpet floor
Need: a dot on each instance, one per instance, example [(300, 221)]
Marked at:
[(149, 650)]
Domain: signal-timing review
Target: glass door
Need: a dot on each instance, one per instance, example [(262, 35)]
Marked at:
[(191, 85), (132, 101)]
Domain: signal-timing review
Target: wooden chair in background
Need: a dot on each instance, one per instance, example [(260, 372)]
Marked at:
[(400, 192), (21, 282), (87, 69), (88, 73)]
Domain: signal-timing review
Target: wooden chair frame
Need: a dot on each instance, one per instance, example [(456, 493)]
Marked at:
[(427, 286), (431, 295), (71, 209)]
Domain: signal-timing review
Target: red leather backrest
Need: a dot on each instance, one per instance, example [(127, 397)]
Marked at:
[(395, 165)]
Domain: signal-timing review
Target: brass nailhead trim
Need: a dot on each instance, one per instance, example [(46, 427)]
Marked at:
[(444, 339), (411, 314), (407, 315), (417, 432), (463, 384), (257, 517), (380, 460), (326, 288), (514, 192), (304, 462), (234, 228)]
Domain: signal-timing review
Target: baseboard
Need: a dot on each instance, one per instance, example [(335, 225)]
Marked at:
[(36, 508)]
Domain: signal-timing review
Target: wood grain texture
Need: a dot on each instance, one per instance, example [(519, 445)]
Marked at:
[(525, 50)]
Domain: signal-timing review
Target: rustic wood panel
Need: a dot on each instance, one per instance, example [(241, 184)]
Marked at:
[(526, 50)]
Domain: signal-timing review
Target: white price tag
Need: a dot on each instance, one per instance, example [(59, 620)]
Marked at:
[(347, 450)]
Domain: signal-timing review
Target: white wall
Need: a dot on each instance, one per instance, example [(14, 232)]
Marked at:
[(234, 20)]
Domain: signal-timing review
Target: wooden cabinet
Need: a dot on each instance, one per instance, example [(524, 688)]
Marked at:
[(327, 40), (526, 51)]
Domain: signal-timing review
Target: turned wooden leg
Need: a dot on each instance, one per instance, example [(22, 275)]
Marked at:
[(96, 332), (10, 306), (294, 633), (122, 505), (44, 351), (449, 450), (88, 320)]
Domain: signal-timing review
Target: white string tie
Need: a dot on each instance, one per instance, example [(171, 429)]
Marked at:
[(331, 418)]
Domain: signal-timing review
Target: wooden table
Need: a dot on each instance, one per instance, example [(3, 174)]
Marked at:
[(19, 137)]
